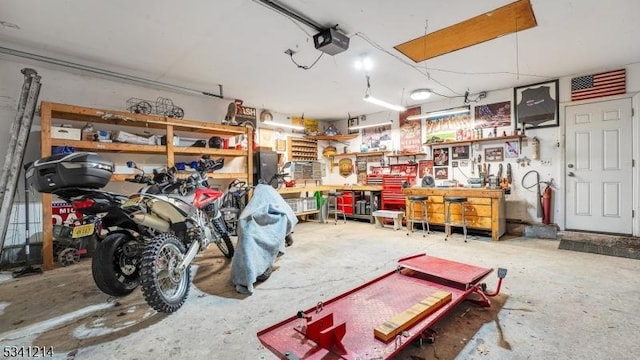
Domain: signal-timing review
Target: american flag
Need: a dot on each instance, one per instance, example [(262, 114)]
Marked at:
[(598, 85)]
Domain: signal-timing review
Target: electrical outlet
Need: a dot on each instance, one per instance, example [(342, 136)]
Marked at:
[(545, 162)]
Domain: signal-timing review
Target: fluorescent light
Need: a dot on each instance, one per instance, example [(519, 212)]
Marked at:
[(273, 123), (369, 125), (371, 99), (440, 113), (420, 94)]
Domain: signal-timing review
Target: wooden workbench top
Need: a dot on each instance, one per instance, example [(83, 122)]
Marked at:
[(329, 187), (456, 191)]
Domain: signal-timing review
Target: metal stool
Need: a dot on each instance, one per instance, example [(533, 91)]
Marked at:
[(411, 213), (462, 201), (332, 206)]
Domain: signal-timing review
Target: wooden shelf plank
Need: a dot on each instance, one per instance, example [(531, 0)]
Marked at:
[(81, 113), (491, 139), (208, 151), (334, 137), (216, 176), (106, 147), (406, 155), (362, 154), (307, 212)]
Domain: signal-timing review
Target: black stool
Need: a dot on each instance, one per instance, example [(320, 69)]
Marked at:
[(462, 201), (411, 213), (332, 206)]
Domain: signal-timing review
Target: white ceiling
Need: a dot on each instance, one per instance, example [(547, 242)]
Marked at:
[(240, 44)]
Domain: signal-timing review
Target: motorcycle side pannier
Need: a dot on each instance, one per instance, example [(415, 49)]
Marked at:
[(82, 169)]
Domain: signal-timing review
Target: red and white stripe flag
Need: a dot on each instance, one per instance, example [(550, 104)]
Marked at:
[(599, 85)]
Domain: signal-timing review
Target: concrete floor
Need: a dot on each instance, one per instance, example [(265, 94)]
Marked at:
[(561, 304)]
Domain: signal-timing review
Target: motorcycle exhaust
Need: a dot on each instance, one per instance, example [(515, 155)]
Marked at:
[(189, 256), (151, 221)]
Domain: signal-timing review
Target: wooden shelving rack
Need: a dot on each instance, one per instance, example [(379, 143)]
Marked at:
[(165, 126)]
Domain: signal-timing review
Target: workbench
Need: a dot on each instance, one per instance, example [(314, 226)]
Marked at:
[(485, 208), (309, 190)]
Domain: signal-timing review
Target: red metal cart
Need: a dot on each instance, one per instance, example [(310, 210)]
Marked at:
[(343, 327)]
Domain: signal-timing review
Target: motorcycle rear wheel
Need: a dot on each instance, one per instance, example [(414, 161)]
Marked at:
[(114, 272), (164, 289)]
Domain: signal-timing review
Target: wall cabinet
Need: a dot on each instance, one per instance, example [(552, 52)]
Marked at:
[(79, 116)]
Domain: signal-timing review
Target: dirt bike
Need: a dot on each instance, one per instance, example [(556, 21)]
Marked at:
[(186, 222), (232, 204)]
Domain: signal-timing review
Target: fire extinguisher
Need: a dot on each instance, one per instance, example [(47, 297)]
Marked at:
[(546, 203), (535, 148)]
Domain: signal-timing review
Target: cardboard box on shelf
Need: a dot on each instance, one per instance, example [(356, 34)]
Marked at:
[(68, 133)]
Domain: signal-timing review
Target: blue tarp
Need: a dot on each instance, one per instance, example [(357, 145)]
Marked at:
[(262, 227)]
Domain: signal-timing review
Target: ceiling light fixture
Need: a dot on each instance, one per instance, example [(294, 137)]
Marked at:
[(371, 99), (289, 126), (364, 62), (356, 127), (453, 111), (420, 94)]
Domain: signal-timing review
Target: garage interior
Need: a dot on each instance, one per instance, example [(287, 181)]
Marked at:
[(476, 136)]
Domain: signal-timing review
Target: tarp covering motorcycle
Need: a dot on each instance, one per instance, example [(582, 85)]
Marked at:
[(262, 227)]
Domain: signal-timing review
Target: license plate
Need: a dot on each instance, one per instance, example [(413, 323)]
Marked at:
[(83, 230), (132, 202)]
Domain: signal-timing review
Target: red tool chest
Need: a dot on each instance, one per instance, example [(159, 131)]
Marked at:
[(392, 196), (348, 201)]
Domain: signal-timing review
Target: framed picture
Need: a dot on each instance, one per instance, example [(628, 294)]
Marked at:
[(537, 105), (441, 157), (512, 149), (441, 173), (352, 122), (494, 154), (460, 152)]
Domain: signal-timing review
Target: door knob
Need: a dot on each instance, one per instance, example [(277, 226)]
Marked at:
[(570, 166), (571, 174)]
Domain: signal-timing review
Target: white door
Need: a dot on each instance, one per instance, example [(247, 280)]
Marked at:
[(598, 174)]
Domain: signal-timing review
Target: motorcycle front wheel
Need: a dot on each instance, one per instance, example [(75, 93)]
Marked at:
[(165, 289), (115, 272), (225, 245)]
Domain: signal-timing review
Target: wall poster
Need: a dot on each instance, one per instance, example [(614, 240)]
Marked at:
[(410, 131), (377, 138), (493, 115), (425, 167), (445, 127)]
